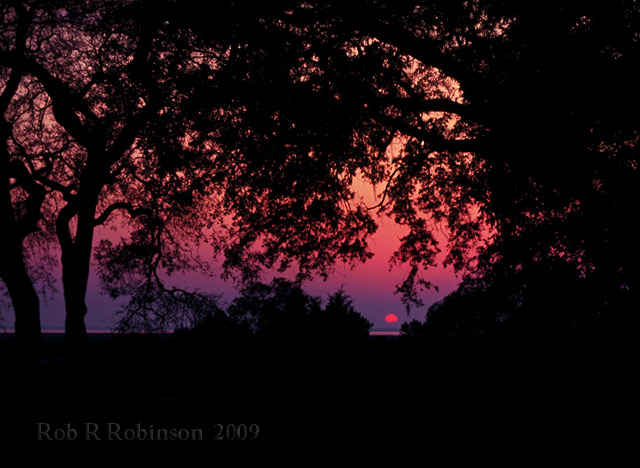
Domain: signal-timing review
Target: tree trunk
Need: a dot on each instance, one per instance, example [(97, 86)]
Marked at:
[(75, 338), (76, 262), (26, 305), (13, 270)]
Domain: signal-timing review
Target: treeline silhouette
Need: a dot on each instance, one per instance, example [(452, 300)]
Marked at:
[(276, 314)]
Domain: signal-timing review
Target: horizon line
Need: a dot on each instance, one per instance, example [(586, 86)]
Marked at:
[(53, 331)]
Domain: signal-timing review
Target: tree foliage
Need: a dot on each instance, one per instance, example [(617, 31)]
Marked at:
[(280, 308), (554, 93), (283, 310), (510, 127)]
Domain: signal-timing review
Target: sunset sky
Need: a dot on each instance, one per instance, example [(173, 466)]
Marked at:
[(370, 286)]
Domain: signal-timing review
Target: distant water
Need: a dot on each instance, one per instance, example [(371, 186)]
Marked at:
[(384, 333), (106, 330)]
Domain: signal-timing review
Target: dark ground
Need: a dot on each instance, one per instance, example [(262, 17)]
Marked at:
[(382, 394)]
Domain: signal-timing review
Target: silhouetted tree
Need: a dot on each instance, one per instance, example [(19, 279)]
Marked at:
[(22, 198), (548, 98), (560, 172), (117, 80), (283, 310), (321, 97), (412, 328), (279, 309), (67, 135), (339, 320), (512, 127), (150, 101)]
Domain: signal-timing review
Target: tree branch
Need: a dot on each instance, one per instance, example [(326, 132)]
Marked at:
[(53, 185), (62, 225), (435, 140), (62, 98), (28, 223), (130, 132), (133, 212), (16, 72), (139, 71), (10, 89), (36, 174), (426, 105), (423, 49)]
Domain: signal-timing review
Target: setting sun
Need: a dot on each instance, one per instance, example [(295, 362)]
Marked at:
[(391, 318)]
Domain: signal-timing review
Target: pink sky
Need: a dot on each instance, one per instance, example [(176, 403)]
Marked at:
[(372, 285)]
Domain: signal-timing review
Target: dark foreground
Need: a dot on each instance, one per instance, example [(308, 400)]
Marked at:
[(382, 394)]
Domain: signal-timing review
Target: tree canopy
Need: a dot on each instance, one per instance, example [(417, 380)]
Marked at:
[(511, 127)]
